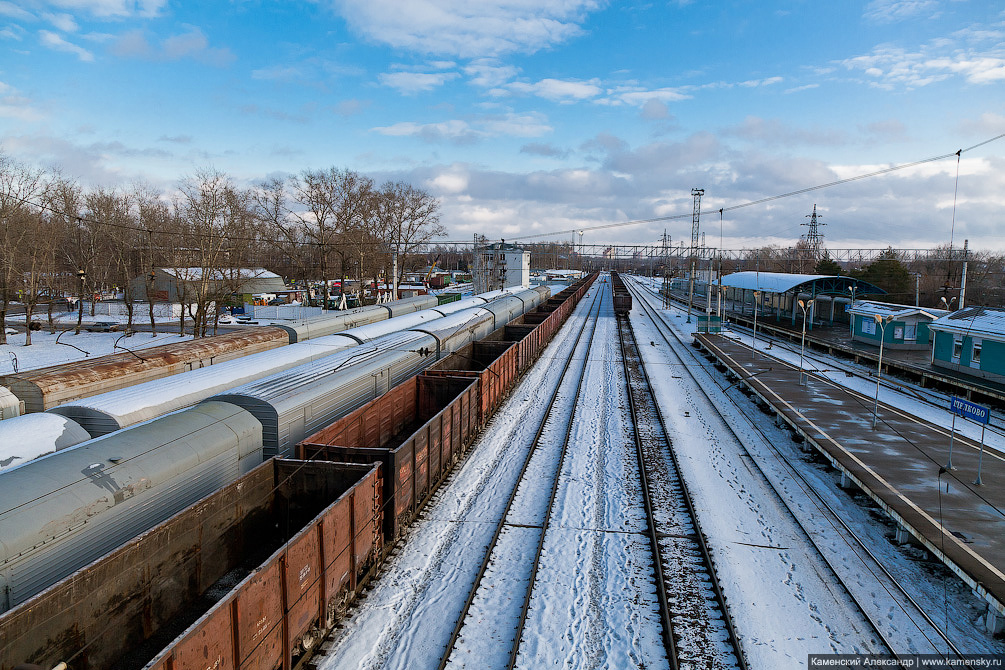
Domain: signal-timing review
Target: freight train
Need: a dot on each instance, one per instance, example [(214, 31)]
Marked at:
[(154, 391), (64, 510), (253, 575)]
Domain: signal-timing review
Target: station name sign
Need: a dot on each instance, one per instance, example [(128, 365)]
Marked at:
[(968, 410)]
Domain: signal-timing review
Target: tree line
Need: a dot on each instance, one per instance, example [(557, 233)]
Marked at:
[(58, 239)]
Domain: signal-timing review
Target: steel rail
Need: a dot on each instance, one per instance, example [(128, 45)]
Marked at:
[(628, 340), (483, 567), (807, 487)]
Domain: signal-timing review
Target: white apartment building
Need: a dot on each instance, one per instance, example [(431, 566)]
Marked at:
[(500, 265)]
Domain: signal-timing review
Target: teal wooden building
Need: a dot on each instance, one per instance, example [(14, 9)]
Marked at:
[(971, 341), (906, 327)]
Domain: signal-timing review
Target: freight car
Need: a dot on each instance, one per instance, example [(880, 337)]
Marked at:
[(622, 298), (28, 437), (48, 387), (336, 322), (71, 618), (108, 412), (64, 510), (295, 537), (172, 466)]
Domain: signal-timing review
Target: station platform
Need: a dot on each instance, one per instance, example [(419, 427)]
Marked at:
[(897, 464), (835, 339)]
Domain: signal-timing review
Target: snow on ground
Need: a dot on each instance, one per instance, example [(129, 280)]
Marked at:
[(405, 620), (770, 572), (594, 603), (939, 592), (64, 347)]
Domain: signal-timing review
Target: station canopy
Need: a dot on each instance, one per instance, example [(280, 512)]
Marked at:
[(783, 282)]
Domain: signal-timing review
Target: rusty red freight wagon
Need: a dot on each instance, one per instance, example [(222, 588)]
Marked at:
[(249, 577), (417, 430)]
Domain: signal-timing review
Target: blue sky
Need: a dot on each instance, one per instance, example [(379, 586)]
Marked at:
[(536, 116)]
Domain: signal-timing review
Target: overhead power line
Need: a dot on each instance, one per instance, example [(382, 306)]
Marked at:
[(771, 198), (578, 229)]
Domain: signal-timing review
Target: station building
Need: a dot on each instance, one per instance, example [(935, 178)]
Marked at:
[(907, 327), (971, 341)]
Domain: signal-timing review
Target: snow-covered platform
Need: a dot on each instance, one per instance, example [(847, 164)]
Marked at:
[(899, 464)]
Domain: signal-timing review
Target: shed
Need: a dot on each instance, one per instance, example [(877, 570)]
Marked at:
[(169, 284), (907, 327), (971, 341)]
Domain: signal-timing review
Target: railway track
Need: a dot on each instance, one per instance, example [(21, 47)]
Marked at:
[(698, 628), (529, 530), (911, 609)]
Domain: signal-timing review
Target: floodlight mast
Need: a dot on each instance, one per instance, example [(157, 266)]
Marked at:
[(696, 193)]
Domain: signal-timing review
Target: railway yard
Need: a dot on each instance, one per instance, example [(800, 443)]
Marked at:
[(590, 485), (540, 551)]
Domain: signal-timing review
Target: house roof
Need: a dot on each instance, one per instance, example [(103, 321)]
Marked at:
[(783, 282), (870, 308), (980, 321), (193, 274)]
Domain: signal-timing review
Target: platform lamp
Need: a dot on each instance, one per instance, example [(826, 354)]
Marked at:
[(802, 347), (881, 321), (753, 340)]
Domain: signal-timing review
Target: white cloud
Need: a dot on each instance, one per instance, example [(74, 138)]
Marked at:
[(655, 110), (63, 22), (12, 32), (772, 132), (56, 43), (889, 66), (410, 83), (192, 43), (467, 29), (489, 73), (113, 8), (558, 90), (15, 12), (804, 87), (987, 125), (532, 124), (15, 106), (891, 11), (455, 131), (636, 96)]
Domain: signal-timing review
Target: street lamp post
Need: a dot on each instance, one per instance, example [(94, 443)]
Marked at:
[(753, 341), (802, 347), (879, 368), (82, 276)]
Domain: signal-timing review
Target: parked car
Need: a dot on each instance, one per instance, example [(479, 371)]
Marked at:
[(102, 327), (10, 331), (224, 319)]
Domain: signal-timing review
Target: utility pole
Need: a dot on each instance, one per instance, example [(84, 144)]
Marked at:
[(814, 238), (963, 281), (696, 193)]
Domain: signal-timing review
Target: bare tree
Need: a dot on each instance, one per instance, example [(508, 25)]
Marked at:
[(409, 219), (214, 214), (21, 187)]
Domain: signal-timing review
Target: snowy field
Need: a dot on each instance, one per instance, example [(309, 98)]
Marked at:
[(64, 347)]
